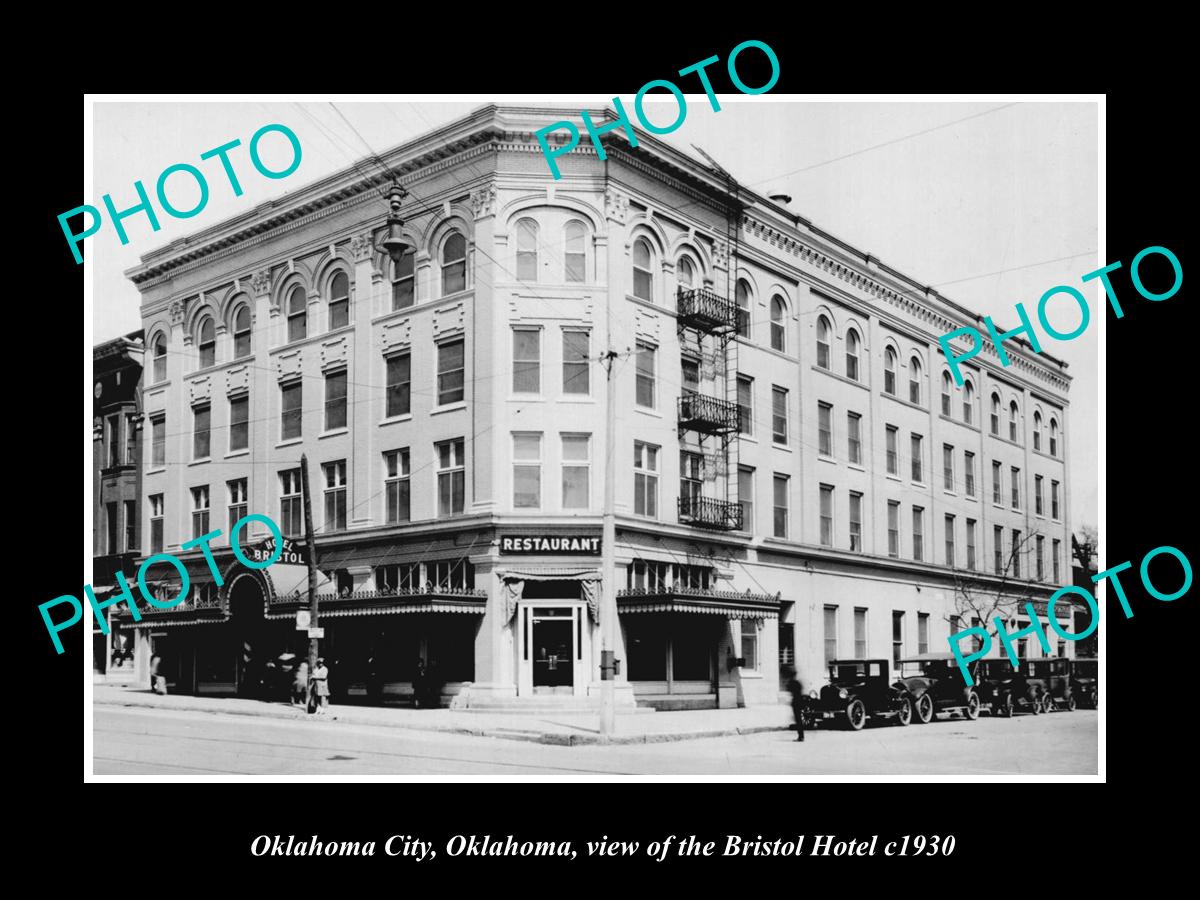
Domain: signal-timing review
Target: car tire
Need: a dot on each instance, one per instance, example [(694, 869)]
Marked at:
[(856, 715), (1071, 703), (972, 708), (1047, 704), (905, 713), (1093, 701), (1006, 708), (924, 709), (1037, 704)]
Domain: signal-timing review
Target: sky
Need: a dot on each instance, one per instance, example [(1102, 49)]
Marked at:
[(991, 202)]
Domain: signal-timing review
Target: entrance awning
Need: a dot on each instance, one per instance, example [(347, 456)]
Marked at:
[(514, 580), (682, 600), (286, 579)]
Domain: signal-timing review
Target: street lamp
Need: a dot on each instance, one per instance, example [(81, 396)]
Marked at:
[(394, 242)]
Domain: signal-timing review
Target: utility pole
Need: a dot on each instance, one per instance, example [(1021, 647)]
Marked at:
[(608, 595), (312, 573)]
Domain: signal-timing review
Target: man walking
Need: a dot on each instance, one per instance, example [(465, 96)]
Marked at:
[(799, 701)]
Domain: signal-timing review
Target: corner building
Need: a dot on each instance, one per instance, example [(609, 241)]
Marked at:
[(792, 465)]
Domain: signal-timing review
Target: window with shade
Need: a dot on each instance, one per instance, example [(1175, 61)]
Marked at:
[(236, 490), (451, 477), (778, 326), (852, 354), (691, 479), (854, 437), (823, 332), (918, 527), (742, 294), (158, 440), (643, 277), (922, 632), (892, 437), (335, 495), (404, 292), (860, 633), (826, 515), (241, 332), (1012, 421), (918, 474), (969, 472), (156, 523), (527, 250), (576, 470), (779, 415), (527, 470), (645, 479), (947, 467), (831, 642), (893, 522), (856, 520), (206, 341), (685, 273), (159, 354), (971, 544), (396, 485), (399, 384), (239, 422), (825, 429), (200, 511), (527, 360), (995, 423), (201, 431), (339, 301), (575, 252), (781, 485), (454, 264), (746, 497), (335, 400), (914, 380), (950, 549), (745, 400), (297, 314), (889, 371), (1037, 431), (1053, 438), (291, 503), (897, 636), (291, 397), (750, 656), (576, 364), (968, 402), (645, 375), (945, 393), (451, 371)]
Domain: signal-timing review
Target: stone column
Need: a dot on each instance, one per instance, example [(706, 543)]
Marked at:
[(363, 408), (265, 323)]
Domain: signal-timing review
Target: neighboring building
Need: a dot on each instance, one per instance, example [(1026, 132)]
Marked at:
[(1081, 576), (780, 487), (116, 486)]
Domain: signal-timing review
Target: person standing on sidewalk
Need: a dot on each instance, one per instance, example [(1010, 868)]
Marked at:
[(320, 679), (799, 701), (158, 681), (300, 684)]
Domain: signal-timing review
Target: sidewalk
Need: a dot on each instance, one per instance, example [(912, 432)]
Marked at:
[(566, 728)]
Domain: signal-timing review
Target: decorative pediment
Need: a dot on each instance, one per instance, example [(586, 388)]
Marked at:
[(397, 335), (289, 363), (237, 379), (199, 389), (334, 353)]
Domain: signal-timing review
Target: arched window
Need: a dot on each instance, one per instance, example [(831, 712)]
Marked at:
[(889, 371), (159, 351), (852, 354), (1053, 438), (778, 329), (454, 264), (686, 273), (823, 342), (575, 236), (914, 380), (945, 393), (527, 257), (996, 414), (207, 341), (1012, 421), (743, 312), (968, 402), (339, 301), (241, 332), (404, 292), (1037, 430), (643, 279), (297, 314)]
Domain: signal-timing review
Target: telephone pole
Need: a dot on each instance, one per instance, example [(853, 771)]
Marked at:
[(312, 572), (608, 593)]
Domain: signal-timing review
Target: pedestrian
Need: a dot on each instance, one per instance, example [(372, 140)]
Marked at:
[(118, 650), (799, 701), (300, 684), (158, 681), (320, 679), (420, 681)]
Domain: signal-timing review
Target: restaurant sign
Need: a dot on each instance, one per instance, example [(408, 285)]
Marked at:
[(566, 545)]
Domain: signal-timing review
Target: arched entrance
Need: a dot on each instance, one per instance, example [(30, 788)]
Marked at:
[(247, 607)]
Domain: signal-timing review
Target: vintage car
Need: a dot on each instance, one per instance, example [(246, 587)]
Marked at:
[(934, 684), (858, 688), (1085, 682), (1004, 689), (1054, 673)]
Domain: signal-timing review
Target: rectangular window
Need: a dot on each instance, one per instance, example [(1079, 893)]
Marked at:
[(1041, 558), (855, 520), (779, 422), (969, 472), (947, 467), (199, 510), (918, 527), (1016, 487), (860, 633), (237, 500), (527, 471), (527, 360), (335, 495), (922, 632), (158, 441), (950, 555), (1037, 495), (399, 385), (750, 644), (854, 438), (201, 425), (291, 402), (917, 473), (156, 523), (131, 535), (239, 423), (291, 503), (1016, 553), (645, 375), (997, 489), (689, 374), (998, 545), (1057, 548), (781, 505), (826, 515), (831, 641), (335, 400), (645, 479), (112, 446), (111, 529), (451, 477), (450, 372), (397, 486), (893, 528), (1054, 500), (131, 441), (897, 636), (576, 365), (825, 429), (691, 481), (745, 399), (971, 544), (746, 497), (893, 455), (576, 471)]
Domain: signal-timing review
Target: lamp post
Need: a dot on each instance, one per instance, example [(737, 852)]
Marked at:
[(393, 242)]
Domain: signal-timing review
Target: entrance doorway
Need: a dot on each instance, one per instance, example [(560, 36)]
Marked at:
[(553, 644)]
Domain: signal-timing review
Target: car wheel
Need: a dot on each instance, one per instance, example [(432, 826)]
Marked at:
[(1047, 703), (1036, 705), (856, 715), (904, 716), (1006, 708), (1093, 700), (1071, 703), (924, 709), (972, 706)]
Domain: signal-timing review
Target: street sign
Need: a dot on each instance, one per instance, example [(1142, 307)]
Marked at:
[(303, 617), (316, 632)]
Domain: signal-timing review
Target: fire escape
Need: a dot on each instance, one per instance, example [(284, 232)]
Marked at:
[(707, 324)]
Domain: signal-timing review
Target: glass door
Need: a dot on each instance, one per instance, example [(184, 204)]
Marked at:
[(553, 650)]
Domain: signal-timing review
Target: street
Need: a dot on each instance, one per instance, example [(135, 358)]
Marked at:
[(162, 742)]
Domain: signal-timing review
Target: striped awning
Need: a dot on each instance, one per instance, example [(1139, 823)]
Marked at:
[(163, 622), (733, 609), (432, 604)]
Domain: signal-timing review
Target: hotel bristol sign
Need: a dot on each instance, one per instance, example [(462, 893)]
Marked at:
[(293, 552), (565, 545)]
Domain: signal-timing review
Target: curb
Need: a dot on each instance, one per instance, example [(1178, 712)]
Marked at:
[(537, 737)]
